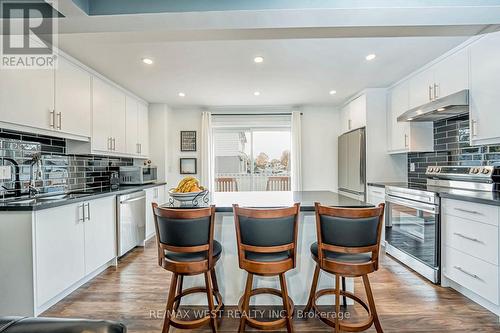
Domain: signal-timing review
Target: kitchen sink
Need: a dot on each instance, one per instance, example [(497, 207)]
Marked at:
[(54, 197), (21, 202)]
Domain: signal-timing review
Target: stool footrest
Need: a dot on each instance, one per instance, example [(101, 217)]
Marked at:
[(266, 325)]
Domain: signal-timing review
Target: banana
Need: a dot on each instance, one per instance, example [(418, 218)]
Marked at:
[(188, 184)]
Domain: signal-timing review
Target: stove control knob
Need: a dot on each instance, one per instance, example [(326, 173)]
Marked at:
[(431, 169), (474, 170), (486, 171), (437, 170)]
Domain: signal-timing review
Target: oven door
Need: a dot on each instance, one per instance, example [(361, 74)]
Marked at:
[(413, 229)]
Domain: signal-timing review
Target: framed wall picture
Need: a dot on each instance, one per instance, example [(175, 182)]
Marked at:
[(188, 140), (187, 166)]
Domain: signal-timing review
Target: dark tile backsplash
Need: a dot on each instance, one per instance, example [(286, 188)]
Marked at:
[(59, 171), (451, 147)]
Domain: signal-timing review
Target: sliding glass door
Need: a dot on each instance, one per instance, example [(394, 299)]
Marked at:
[(252, 159)]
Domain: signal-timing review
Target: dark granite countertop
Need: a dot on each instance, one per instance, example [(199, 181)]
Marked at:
[(224, 201), (11, 205)]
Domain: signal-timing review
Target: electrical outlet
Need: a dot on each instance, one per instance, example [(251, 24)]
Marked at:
[(5, 172), (412, 167)]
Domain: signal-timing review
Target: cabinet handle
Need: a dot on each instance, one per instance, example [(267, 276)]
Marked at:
[(109, 143), (59, 120), (436, 91), (83, 213), (473, 128), (88, 211), (430, 93), (458, 268), (140, 148), (467, 237), (349, 124), (406, 140), (114, 143), (52, 114), (469, 211)]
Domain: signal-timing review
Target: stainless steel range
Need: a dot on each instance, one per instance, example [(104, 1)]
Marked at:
[(413, 229)]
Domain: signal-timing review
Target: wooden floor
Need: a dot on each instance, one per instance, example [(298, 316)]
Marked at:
[(137, 289)]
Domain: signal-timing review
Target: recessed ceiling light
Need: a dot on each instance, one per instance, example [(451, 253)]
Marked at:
[(256, 93), (371, 57), (258, 59), (181, 94), (147, 61), (333, 92)]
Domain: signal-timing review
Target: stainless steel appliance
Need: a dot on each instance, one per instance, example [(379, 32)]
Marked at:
[(413, 229), (439, 108), (131, 229), (352, 164), (138, 175)]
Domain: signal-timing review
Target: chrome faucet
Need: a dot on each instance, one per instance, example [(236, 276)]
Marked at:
[(32, 190)]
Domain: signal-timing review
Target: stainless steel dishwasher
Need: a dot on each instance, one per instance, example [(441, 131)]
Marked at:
[(131, 217)]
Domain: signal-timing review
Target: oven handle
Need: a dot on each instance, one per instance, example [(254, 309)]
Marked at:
[(413, 204)]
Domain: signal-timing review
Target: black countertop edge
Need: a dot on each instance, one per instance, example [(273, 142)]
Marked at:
[(96, 195), (303, 208), (382, 185), (472, 197)]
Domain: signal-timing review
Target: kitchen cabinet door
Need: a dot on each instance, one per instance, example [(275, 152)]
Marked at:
[(421, 88), (143, 129), (398, 131), (151, 197), (131, 125), (345, 119), (357, 112), (102, 101), (73, 98), (484, 83), (59, 250), (100, 232), (27, 97), (118, 121), (452, 74)]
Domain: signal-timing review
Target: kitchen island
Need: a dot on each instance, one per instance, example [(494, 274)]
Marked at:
[(232, 279)]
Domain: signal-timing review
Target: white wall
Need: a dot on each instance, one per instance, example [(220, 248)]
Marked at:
[(320, 129)]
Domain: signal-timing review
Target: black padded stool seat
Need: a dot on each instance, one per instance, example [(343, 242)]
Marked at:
[(194, 256), (354, 258), (186, 247)]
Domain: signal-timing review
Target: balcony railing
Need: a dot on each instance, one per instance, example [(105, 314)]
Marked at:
[(240, 182)]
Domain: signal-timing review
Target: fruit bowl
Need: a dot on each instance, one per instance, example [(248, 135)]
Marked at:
[(188, 196)]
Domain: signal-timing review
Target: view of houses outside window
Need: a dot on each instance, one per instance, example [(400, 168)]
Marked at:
[(252, 159)]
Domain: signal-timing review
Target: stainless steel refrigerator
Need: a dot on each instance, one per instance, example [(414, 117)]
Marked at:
[(352, 164)]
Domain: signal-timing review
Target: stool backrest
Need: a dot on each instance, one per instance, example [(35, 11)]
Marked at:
[(184, 230), (349, 230), (270, 230)]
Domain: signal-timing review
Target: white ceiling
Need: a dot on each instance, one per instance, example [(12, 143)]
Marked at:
[(295, 71)]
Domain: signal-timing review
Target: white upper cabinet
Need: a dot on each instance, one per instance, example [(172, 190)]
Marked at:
[(118, 129), (101, 115), (27, 98), (143, 129), (484, 90), (398, 131), (421, 89), (72, 99), (137, 124), (405, 136), (451, 75), (132, 125), (444, 78), (353, 114)]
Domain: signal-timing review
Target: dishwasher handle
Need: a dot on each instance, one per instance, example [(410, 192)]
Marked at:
[(132, 200)]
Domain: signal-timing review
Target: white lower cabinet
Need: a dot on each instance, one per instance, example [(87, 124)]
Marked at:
[(470, 250), (376, 196), (71, 243), (158, 195)]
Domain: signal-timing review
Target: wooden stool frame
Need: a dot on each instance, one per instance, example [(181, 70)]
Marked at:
[(345, 269), (188, 268), (266, 268)]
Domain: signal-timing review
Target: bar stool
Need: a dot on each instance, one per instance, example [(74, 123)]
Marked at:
[(348, 246), (267, 246), (186, 246)]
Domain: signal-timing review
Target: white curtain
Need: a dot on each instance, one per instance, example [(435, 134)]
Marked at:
[(296, 151), (207, 156)]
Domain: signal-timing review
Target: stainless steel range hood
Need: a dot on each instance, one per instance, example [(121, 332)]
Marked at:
[(442, 108)]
